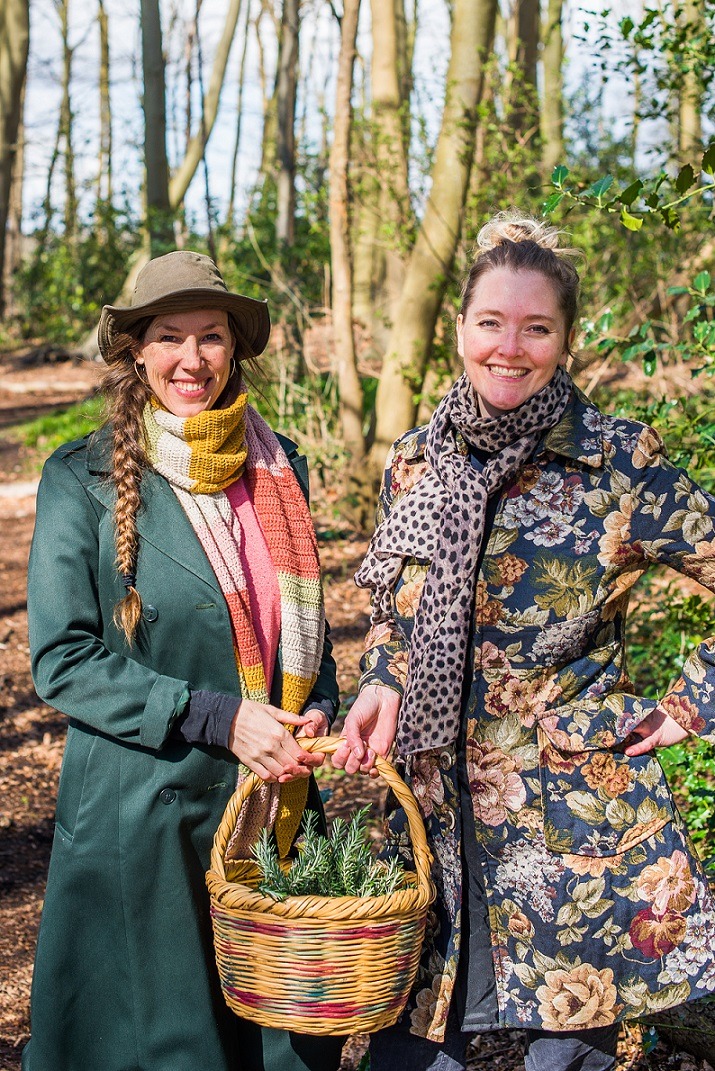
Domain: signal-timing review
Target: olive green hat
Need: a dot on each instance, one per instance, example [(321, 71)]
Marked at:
[(180, 281)]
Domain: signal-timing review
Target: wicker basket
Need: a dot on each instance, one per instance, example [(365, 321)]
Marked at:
[(317, 964)]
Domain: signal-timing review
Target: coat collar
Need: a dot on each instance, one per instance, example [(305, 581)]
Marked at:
[(578, 435)]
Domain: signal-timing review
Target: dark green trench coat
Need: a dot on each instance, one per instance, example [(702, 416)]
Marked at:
[(125, 977)]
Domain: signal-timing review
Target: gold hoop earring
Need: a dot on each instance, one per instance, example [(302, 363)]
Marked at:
[(233, 367), (137, 366)]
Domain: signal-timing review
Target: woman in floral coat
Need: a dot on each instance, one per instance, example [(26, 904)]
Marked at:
[(510, 532)]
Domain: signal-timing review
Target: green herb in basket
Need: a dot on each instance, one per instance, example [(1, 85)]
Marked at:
[(340, 864)]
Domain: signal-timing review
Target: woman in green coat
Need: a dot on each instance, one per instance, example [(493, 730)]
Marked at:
[(176, 618)]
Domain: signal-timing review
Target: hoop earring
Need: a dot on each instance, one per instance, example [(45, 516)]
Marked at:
[(137, 366), (233, 367)]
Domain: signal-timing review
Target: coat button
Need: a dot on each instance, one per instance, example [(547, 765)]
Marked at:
[(150, 613), (167, 795)]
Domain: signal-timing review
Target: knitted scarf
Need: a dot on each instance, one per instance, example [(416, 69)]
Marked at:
[(201, 456), (442, 518)]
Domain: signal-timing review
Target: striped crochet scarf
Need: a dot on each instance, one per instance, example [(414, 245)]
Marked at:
[(201, 456)]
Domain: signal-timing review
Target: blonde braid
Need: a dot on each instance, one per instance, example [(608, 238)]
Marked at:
[(126, 396)]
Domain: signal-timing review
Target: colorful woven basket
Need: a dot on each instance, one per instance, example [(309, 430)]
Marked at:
[(317, 964)]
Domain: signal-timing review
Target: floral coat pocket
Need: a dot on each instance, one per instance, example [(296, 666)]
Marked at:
[(599, 802)]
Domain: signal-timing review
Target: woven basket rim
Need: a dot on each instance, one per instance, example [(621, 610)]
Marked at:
[(234, 896)]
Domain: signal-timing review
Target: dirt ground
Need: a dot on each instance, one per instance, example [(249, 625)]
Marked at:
[(32, 735)]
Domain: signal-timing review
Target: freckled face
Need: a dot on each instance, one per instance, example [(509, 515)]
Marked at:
[(187, 357), (512, 337)]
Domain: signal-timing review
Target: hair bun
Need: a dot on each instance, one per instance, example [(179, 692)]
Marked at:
[(511, 226)]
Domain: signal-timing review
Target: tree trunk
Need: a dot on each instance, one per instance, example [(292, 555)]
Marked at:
[(406, 30), (230, 211), (13, 234), (158, 208), (523, 105), (385, 200), (552, 107), (66, 126), (433, 254), (268, 139), (181, 180), (349, 386), (286, 89), (389, 120), (14, 44), (690, 128), (104, 179)]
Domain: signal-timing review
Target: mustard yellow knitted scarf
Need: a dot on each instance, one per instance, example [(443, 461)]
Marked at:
[(201, 456)]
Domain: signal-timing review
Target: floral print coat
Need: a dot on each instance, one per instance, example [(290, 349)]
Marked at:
[(599, 907)]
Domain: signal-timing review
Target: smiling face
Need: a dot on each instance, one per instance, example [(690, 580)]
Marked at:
[(512, 337), (187, 357)]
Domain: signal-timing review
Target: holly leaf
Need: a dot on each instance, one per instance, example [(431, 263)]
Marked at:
[(551, 202), (632, 223), (650, 362), (559, 174), (599, 187), (701, 282), (628, 196), (670, 217), (686, 178), (708, 164)]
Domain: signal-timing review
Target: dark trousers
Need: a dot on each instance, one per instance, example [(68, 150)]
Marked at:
[(263, 1049), (578, 1050)]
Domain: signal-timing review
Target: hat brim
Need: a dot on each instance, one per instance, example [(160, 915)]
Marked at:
[(252, 316)]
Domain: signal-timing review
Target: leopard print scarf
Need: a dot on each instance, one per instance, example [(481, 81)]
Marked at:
[(442, 518)]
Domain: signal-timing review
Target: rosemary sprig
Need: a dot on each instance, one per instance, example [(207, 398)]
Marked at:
[(340, 864)]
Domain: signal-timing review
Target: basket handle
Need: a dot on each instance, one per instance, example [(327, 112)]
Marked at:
[(328, 745)]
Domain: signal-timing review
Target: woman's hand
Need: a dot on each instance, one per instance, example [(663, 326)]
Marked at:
[(369, 730), (657, 730), (316, 724), (258, 738)]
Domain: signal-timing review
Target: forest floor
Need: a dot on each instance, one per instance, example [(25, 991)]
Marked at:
[(32, 735)]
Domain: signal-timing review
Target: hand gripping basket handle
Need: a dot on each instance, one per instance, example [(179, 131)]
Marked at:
[(328, 745)]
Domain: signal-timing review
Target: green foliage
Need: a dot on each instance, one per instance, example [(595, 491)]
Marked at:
[(338, 865), (60, 289), (62, 426), (654, 342), (658, 198), (666, 628)]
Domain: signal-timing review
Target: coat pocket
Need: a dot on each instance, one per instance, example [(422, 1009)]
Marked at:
[(591, 723), (600, 802), (73, 776)]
